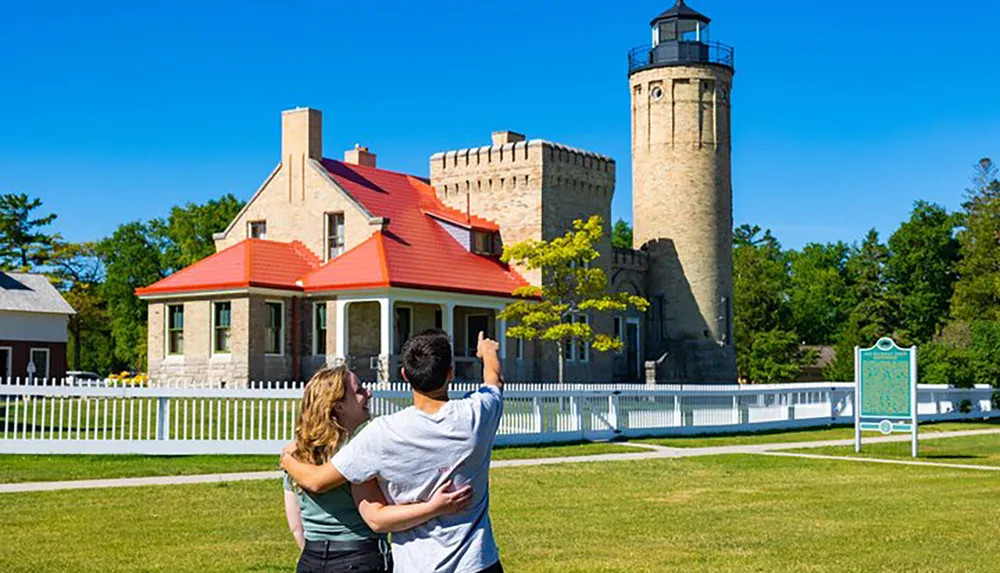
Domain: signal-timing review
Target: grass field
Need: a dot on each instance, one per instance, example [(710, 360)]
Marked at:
[(27, 468), (974, 450), (805, 435), (723, 513)]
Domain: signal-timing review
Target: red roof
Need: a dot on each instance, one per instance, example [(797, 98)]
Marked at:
[(249, 263), (413, 251)]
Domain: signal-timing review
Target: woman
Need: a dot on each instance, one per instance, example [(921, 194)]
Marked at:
[(329, 527)]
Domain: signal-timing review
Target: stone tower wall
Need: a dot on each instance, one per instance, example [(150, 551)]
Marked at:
[(682, 214), (534, 190)]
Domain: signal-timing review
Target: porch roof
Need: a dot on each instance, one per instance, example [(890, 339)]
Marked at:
[(249, 263)]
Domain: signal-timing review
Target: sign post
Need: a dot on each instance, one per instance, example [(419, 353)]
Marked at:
[(885, 391)]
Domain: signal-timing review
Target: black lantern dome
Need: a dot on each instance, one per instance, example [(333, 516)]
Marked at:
[(680, 37)]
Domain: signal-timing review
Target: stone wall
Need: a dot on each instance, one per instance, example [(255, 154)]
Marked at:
[(199, 363), (294, 203)]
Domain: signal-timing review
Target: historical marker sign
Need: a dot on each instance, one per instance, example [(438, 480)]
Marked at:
[(885, 390)]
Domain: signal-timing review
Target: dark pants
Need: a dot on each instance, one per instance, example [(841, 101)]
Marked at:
[(318, 558), (495, 568)]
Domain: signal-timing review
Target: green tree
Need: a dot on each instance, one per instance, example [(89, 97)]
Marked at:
[(570, 287), (132, 258), (621, 235), (77, 271), (188, 230), (23, 244), (977, 291), (872, 314), (767, 349), (817, 293), (921, 271)]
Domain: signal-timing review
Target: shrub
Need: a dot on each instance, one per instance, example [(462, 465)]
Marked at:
[(941, 363)]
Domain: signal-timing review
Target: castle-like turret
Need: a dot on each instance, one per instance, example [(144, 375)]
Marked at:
[(682, 195)]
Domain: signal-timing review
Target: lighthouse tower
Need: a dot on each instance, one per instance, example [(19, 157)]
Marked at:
[(682, 195)]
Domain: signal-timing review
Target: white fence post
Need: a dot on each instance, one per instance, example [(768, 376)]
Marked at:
[(163, 418), (613, 412), (538, 414)]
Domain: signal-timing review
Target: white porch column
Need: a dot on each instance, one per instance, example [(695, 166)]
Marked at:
[(385, 326), (341, 346), (385, 363), (448, 321)]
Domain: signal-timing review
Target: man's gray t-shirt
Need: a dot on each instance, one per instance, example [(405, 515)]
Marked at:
[(412, 453)]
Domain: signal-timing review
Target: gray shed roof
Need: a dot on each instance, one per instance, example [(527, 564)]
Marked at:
[(31, 293)]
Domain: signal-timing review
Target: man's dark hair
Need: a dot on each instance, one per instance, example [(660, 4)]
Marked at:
[(427, 360)]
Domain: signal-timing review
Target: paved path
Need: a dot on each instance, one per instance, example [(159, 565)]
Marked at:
[(655, 452)]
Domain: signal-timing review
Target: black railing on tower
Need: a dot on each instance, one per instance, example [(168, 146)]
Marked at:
[(674, 53)]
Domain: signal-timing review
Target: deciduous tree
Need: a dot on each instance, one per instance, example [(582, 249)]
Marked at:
[(921, 270), (570, 286)]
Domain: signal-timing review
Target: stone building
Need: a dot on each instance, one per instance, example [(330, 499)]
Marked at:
[(339, 261)]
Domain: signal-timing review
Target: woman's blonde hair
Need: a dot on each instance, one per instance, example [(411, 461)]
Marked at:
[(318, 432)]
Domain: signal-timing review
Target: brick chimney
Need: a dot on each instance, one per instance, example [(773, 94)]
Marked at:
[(301, 133), (359, 156), (504, 137)]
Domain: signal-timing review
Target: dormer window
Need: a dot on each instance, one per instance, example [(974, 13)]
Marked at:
[(485, 242), (257, 229)]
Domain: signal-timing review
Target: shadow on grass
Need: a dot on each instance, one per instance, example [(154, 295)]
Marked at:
[(952, 457)]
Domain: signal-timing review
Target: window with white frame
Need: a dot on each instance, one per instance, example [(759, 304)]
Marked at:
[(175, 329), (257, 229), (40, 359), (334, 235), (222, 320), (274, 342), (319, 328), (573, 349)]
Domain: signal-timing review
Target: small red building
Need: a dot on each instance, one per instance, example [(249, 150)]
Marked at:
[(33, 317)]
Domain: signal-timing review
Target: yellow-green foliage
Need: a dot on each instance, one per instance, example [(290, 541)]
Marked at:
[(570, 284)]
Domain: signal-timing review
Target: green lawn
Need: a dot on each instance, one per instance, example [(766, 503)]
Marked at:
[(28, 468), (805, 435), (974, 450), (723, 514)]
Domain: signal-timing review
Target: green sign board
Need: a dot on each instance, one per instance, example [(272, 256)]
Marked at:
[(885, 390), (885, 381)]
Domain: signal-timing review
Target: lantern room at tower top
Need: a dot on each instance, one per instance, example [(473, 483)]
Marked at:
[(680, 37)]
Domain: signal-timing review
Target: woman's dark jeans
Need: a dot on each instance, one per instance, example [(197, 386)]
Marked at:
[(320, 560)]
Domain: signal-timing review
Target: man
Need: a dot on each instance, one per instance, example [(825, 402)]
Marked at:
[(416, 450)]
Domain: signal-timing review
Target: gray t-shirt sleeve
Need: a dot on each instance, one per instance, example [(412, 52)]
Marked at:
[(361, 458), (286, 481), (490, 401)]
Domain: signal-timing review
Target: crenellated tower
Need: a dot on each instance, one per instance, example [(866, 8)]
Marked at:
[(533, 190), (682, 195)]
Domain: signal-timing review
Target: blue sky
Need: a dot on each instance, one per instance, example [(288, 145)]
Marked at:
[(844, 113)]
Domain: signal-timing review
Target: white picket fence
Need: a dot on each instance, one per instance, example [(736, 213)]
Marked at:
[(52, 417)]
